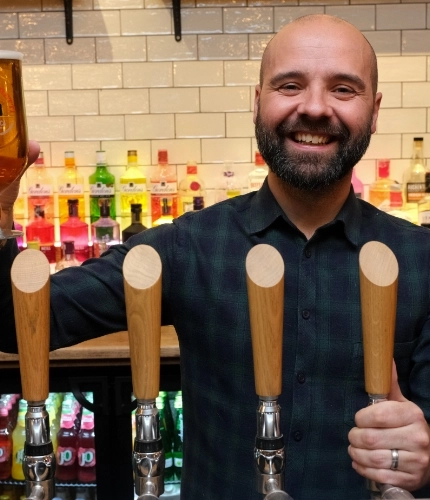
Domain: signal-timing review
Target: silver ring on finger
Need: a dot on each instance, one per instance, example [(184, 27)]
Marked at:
[(394, 459)]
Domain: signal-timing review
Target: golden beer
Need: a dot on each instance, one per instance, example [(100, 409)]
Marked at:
[(13, 124)]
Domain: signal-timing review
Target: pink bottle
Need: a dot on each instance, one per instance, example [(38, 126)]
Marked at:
[(357, 185), (42, 231), (75, 230), (66, 455), (5, 443), (86, 449)]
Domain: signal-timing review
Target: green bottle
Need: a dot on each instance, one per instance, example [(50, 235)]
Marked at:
[(178, 438), (102, 185), (169, 472)]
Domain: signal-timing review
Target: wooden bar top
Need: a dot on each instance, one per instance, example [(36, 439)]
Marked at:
[(107, 350)]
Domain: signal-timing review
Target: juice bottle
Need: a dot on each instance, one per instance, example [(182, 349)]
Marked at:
[(67, 445), (86, 449), (5, 444), (18, 440)]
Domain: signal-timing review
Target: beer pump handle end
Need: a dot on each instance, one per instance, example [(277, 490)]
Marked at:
[(265, 283), (379, 272), (30, 290), (142, 286)]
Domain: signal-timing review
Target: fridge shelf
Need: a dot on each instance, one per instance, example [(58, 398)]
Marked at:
[(14, 482)]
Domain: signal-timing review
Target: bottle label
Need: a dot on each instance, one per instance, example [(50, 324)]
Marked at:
[(187, 206), (66, 456), (19, 456), (100, 189), (40, 190), (163, 187), (86, 457), (4, 453), (71, 189), (415, 191), (168, 462), (50, 252), (255, 184), (132, 188), (424, 218), (178, 461)]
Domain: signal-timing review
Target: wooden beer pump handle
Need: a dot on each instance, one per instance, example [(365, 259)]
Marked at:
[(142, 286), (265, 283), (379, 272), (30, 290)]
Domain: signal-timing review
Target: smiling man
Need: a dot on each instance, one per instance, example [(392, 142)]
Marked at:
[(316, 107)]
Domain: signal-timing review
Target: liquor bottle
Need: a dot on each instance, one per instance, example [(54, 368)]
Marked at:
[(18, 440), (166, 438), (132, 188), (41, 230), (67, 446), (191, 190), (40, 189), (396, 205), (86, 449), (69, 259), (424, 205), (102, 186), (74, 229), (136, 225), (414, 176), (5, 444), (105, 229), (229, 187), (166, 213), (164, 185), (178, 438), (257, 176), (70, 186), (379, 191), (357, 185)]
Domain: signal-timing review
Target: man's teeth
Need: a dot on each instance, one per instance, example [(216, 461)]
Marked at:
[(311, 139)]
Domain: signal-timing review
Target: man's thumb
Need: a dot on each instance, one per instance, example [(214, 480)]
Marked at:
[(395, 392)]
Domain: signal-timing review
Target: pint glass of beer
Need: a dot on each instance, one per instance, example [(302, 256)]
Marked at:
[(13, 124)]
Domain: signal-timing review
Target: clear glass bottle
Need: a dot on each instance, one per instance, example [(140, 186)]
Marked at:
[(40, 189), (414, 176), (105, 230), (164, 186), (357, 185), (132, 188), (166, 216), (424, 205), (69, 259), (70, 186), (379, 191), (228, 187), (136, 225), (102, 186), (74, 229), (190, 188), (257, 176)]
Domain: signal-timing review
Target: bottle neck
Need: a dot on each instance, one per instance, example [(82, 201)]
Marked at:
[(136, 217)]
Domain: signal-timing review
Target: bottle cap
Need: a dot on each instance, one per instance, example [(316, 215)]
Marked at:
[(35, 245), (101, 157), (383, 168), (136, 207), (69, 158), (40, 160), (162, 156), (191, 168), (418, 139), (259, 160)]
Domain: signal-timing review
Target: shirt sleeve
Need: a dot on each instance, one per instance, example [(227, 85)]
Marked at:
[(7, 329)]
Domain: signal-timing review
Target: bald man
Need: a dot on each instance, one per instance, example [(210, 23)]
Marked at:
[(316, 108)]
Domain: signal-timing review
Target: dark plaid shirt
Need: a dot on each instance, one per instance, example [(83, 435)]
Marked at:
[(205, 298)]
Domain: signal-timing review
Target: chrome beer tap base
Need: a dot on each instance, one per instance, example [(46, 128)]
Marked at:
[(40, 491), (37, 424), (148, 453)]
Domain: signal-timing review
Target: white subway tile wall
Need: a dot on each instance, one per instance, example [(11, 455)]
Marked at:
[(126, 83)]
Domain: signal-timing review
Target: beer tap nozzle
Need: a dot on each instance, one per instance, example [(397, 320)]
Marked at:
[(30, 287), (265, 283), (142, 285)]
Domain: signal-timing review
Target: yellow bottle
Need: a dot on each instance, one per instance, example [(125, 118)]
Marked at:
[(132, 189), (70, 186), (18, 439)]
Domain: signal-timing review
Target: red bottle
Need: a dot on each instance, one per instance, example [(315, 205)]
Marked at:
[(43, 231), (5, 444), (86, 449), (76, 230), (66, 455)]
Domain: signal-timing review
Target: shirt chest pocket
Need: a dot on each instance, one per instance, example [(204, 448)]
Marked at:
[(355, 396)]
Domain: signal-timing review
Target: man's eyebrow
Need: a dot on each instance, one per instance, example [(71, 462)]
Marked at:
[(342, 77)]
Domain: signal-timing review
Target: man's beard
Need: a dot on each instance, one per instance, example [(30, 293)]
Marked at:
[(311, 171)]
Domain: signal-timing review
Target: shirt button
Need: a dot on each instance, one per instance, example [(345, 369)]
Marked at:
[(306, 314), (297, 435), (308, 253), (301, 378)]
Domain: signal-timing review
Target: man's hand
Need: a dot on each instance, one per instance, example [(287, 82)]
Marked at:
[(395, 424), (10, 194)]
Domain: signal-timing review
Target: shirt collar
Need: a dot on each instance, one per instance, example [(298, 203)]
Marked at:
[(264, 210)]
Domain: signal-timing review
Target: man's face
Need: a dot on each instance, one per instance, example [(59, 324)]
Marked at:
[(315, 111)]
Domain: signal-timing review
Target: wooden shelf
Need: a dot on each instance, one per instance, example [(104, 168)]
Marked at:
[(107, 350)]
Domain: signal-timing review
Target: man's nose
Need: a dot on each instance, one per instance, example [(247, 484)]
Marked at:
[(315, 104)]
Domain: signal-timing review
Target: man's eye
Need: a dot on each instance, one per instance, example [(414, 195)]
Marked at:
[(289, 86), (344, 90)]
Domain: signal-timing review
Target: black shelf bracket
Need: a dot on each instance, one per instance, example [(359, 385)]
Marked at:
[(68, 11), (177, 19)]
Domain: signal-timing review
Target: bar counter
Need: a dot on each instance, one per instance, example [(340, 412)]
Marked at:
[(112, 349)]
